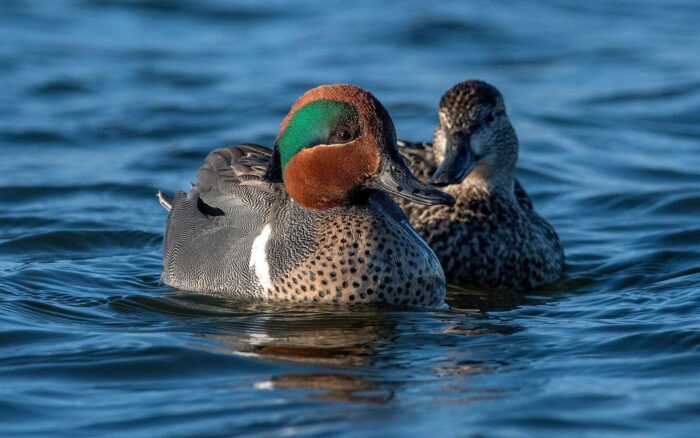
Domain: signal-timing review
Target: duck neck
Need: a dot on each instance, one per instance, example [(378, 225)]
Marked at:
[(495, 172), (489, 180)]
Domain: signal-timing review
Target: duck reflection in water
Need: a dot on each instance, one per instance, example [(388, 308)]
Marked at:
[(349, 343)]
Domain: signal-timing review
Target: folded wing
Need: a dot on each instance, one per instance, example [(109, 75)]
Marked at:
[(210, 228)]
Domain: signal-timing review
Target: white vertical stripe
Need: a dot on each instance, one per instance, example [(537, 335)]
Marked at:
[(258, 258)]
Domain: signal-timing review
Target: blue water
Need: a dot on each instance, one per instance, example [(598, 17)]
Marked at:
[(104, 102)]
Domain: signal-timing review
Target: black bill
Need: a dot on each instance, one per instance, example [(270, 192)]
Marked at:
[(397, 179), (459, 160)]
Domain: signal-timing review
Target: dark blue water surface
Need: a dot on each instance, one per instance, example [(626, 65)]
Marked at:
[(104, 102)]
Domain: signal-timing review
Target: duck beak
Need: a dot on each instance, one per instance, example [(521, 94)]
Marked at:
[(397, 179), (458, 162)]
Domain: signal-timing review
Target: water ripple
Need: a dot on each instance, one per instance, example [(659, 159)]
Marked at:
[(114, 100)]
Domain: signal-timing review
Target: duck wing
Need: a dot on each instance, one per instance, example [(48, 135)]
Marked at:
[(231, 183), (210, 228), (231, 191), (230, 176), (419, 158)]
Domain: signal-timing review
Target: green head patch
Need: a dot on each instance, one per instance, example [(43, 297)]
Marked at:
[(318, 122)]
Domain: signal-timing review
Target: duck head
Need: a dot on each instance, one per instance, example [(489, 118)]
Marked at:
[(336, 145), (474, 136)]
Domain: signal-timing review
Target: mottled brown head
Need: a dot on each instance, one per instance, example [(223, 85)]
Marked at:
[(336, 144), (474, 134)]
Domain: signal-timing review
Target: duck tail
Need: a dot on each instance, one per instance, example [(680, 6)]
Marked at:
[(165, 200)]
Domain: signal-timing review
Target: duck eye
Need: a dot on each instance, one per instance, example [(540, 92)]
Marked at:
[(343, 135), (490, 117)]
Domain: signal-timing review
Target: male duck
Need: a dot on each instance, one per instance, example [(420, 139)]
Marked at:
[(492, 238), (311, 220)]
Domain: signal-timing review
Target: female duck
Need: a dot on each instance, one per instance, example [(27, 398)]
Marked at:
[(310, 220), (492, 237)]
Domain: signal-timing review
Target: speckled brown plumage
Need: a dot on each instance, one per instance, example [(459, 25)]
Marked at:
[(492, 237), (488, 240), (360, 259)]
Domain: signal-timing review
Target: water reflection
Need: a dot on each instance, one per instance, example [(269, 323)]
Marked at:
[(342, 340), (349, 344), (331, 337), (332, 387), (472, 300)]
